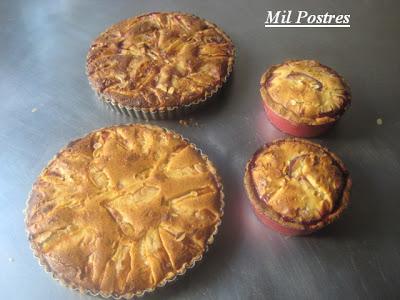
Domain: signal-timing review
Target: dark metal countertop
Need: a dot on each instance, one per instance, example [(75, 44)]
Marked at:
[(46, 101)]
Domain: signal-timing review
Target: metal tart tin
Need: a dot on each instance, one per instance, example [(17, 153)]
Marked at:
[(173, 112), (42, 262), (165, 113)]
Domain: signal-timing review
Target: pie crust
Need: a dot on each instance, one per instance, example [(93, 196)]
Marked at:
[(124, 210), (159, 63), (296, 186), (304, 97)]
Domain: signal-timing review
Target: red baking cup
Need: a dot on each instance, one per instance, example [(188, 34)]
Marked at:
[(280, 228), (272, 219), (299, 130)]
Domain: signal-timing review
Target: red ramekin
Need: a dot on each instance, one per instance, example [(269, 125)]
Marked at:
[(298, 130), (271, 219)]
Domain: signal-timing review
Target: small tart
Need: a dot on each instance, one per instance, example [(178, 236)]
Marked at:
[(297, 186), (304, 93), (124, 210), (160, 61)]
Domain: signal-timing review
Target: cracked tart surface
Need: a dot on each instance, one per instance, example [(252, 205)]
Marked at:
[(160, 60), (297, 186), (124, 210), (304, 92)]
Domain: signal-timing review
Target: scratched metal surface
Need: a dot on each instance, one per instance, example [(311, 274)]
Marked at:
[(46, 101)]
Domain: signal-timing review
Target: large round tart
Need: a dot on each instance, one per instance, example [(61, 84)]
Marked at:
[(296, 186), (124, 210), (159, 62)]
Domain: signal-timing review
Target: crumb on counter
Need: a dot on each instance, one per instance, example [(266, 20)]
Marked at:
[(183, 122), (11, 259), (188, 122), (34, 109), (379, 121)]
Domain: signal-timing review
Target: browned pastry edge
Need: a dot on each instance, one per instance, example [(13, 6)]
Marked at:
[(267, 76), (261, 207), (157, 112), (42, 260)]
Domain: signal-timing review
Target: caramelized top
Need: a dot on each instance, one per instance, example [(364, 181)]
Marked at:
[(160, 60), (304, 91), (124, 209), (299, 180)]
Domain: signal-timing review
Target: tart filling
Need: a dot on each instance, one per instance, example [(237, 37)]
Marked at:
[(123, 210), (297, 183), (160, 60), (305, 92)]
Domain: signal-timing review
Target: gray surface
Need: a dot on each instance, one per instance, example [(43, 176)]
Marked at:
[(42, 55)]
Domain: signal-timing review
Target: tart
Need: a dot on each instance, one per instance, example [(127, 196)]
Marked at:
[(159, 65), (124, 210), (303, 97), (297, 187)]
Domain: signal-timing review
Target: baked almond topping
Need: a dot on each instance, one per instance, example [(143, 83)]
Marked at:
[(160, 60), (124, 209), (298, 180), (305, 91)]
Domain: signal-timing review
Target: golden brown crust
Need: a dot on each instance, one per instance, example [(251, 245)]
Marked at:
[(297, 183), (159, 60), (305, 92), (124, 210)]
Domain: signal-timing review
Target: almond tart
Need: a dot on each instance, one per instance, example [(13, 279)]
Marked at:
[(303, 97), (297, 187), (159, 65), (124, 210)]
